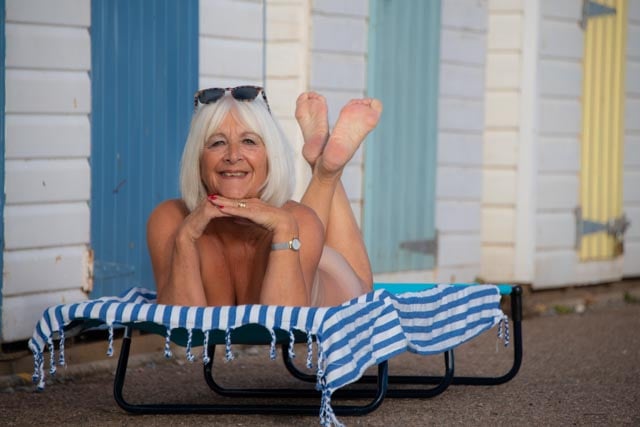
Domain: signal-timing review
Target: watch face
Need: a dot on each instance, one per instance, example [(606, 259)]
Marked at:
[(295, 244)]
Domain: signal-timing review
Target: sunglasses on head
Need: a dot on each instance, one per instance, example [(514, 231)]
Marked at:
[(240, 93)]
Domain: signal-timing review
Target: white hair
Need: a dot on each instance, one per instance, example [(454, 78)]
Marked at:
[(279, 185)]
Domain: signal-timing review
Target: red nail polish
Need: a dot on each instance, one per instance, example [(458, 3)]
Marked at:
[(212, 197), (220, 207)]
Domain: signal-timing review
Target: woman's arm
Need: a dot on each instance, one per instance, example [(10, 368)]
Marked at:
[(172, 233), (289, 274)]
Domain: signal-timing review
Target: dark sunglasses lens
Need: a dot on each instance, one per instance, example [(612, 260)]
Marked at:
[(211, 95), (245, 93)]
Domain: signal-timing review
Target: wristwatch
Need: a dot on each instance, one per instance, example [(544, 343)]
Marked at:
[(293, 244)]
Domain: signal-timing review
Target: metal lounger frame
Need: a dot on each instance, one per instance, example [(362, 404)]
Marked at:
[(382, 380)]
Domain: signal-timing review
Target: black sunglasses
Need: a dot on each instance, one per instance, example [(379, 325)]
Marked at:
[(240, 93)]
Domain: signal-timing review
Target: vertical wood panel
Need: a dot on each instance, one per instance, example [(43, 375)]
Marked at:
[(602, 128), (145, 71), (401, 153)]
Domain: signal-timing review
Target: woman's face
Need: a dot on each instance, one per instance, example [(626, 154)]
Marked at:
[(234, 161)]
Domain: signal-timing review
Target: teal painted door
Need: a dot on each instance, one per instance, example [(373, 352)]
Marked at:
[(144, 74), (400, 155)]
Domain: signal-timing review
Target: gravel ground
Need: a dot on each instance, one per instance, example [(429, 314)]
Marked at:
[(578, 369)]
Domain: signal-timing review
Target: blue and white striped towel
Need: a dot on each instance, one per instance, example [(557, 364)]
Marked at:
[(351, 337)]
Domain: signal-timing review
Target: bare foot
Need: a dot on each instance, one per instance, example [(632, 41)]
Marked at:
[(356, 120), (311, 113)]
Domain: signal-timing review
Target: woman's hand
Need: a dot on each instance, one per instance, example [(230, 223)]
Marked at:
[(279, 221), (197, 221)]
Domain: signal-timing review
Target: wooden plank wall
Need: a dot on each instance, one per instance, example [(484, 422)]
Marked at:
[(501, 139), (48, 103), (288, 56), (230, 43), (558, 146), (463, 49), (338, 54)]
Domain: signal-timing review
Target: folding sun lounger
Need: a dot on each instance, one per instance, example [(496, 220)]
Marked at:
[(369, 330)]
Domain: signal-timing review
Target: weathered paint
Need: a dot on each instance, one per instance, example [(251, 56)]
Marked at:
[(47, 140), (603, 127), (400, 161), (144, 74)]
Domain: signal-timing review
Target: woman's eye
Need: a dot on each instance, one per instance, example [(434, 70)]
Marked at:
[(215, 143), (249, 141)]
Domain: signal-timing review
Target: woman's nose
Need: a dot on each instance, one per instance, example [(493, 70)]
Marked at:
[(233, 153)]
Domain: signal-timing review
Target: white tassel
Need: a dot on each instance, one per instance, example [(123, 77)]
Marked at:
[(110, 348), (205, 350), (272, 350), (167, 344), (61, 360), (52, 357), (228, 354), (190, 356), (292, 341), (309, 350)]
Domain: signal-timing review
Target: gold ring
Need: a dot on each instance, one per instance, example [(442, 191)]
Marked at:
[(242, 204)]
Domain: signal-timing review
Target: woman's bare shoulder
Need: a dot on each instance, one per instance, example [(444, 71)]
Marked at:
[(168, 211)]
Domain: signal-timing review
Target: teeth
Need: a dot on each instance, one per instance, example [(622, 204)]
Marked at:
[(234, 173)]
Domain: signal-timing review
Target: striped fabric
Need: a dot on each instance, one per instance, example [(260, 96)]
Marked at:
[(351, 337)]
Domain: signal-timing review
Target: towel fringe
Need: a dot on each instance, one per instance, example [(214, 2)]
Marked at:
[(205, 350), (321, 382), (327, 416), (272, 350), (309, 350), (507, 338), (292, 341), (228, 354), (41, 382), (61, 360), (167, 344), (190, 356), (38, 370), (110, 348), (503, 330), (52, 357), (37, 357)]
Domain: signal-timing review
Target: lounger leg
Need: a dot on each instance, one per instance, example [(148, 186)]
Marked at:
[(442, 382), (377, 394), (516, 315), (121, 371), (235, 409)]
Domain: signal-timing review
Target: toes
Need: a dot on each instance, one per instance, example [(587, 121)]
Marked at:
[(306, 96), (376, 104), (302, 97)]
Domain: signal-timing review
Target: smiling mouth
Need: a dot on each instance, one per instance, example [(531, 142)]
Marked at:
[(234, 174)]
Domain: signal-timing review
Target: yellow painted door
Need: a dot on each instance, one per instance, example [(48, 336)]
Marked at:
[(602, 129)]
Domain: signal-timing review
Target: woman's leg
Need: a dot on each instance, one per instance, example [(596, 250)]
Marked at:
[(328, 157)]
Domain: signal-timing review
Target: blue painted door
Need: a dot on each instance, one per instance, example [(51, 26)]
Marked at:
[(144, 74), (400, 155)]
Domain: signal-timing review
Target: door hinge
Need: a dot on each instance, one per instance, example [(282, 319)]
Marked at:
[(592, 9), (426, 246), (615, 227)]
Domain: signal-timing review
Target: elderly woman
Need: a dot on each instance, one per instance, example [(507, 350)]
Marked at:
[(235, 237)]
